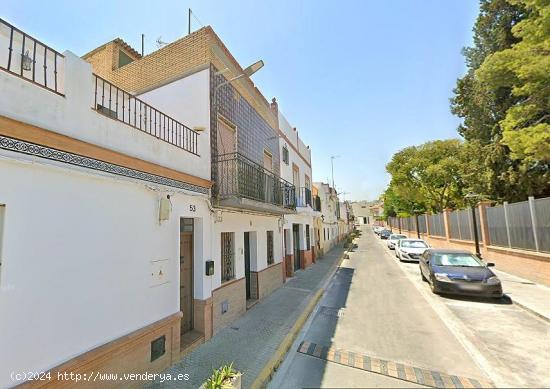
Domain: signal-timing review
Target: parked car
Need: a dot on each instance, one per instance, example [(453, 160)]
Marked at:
[(410, 249), (377, 229), (459, 272), (392, 240), (385, 234)]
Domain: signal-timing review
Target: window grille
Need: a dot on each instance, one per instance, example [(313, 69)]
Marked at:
[(270, 256), (228, 256), (308, 246), (285, 155)]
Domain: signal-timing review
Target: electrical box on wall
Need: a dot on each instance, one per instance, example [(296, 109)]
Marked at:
[(209, 268), (159, 273)]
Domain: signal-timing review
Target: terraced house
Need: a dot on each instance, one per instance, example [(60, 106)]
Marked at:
[(163, 193), (299, 230)]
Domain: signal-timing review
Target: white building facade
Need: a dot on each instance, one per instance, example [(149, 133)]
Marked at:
[(103, 209), (299, 230)]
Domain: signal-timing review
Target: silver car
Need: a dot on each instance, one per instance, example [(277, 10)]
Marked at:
[(392, 240), (410, 249)]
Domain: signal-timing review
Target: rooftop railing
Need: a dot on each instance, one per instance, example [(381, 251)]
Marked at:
[(241, 177), (26, 57), (120, 105)]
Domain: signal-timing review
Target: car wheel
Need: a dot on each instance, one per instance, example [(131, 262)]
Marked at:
[(432, 287)]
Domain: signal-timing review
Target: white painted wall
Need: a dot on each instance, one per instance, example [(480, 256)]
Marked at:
[(77, 252), (73, 116), (239, 223), (294, 157), (188, 101)]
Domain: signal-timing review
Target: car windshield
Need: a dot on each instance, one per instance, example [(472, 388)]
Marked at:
[(456, 259), (414, 244), (397, 237)]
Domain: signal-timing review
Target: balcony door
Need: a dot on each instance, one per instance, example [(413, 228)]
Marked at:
[(226, 158), (269, 182)]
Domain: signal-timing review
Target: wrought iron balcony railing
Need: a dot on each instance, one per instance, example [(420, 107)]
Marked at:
[(303, 198), (238, 176), (28, 58), (116, 103)]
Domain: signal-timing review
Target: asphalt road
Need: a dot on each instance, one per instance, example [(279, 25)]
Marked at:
[(378, 307)]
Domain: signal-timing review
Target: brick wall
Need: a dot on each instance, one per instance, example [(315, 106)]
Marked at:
[(235, 293), (270, 279), (307, 258)]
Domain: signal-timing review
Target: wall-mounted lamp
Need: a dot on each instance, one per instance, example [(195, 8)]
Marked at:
[(165, 207), (26, 61)]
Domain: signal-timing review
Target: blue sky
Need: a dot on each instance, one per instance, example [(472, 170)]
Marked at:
[(359, 79)]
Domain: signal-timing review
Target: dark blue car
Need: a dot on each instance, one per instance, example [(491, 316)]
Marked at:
[(459, 272)]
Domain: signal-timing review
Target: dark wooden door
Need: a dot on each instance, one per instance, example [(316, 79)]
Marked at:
[(247, 262), (296, 242), (186, 280)]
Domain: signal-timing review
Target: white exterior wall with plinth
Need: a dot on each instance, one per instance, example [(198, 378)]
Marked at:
[(239, 223), (82, 249), (299, 155)]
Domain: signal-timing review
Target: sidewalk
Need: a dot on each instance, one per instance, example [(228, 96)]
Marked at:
[(252, 340), (527, 294)]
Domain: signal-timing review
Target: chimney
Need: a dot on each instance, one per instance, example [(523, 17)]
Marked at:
[(275, 107)]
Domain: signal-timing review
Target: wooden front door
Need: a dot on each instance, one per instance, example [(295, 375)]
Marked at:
[(247, 262), (296, 242), (186, 274)]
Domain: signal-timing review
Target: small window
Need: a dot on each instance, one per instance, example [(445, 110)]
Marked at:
[(228, 255), (158, 348), (123, 59), (285, 155), (308, 243), (270, 256)]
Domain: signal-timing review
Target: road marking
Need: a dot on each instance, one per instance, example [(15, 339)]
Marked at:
[(392, 369)]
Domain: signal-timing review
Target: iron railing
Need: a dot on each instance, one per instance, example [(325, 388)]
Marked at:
[(116, 103), (241, 177), (303, 197), (26, 57)]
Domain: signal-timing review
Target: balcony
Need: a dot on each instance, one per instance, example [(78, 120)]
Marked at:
[(26, 57), (242, 183), (303, 197), (117, 104)]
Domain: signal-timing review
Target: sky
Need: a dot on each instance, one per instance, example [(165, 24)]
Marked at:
[(359, 79)]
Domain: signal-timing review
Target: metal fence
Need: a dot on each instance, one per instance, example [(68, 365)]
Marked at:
[(28, 58), (523, 225), (461, 224), (436, 224), (422, 224), (118, 104)]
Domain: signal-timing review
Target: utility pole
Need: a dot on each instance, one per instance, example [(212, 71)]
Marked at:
[(332, 158), (142, 44), (189, 22)]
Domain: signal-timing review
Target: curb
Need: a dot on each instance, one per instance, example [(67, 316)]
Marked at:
[(273, 363), (269, 368), (531, 311)]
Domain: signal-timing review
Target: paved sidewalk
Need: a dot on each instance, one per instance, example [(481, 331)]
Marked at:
[(251, 340), (527, 294)]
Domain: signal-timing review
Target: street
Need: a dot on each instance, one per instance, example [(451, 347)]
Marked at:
[(377, 309)]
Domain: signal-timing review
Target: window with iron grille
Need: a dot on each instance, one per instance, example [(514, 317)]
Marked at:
[(270, 256), (307, 238), (228, 255), (285, 155)]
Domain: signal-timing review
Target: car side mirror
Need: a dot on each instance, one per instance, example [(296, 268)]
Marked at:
[(490, 264)]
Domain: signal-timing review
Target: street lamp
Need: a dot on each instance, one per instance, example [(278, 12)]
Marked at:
[(471, 197), (416, 212), (332, 158)]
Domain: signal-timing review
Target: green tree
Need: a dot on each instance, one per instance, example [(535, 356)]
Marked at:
[(483, 107), (525, 69), (426, 176)]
